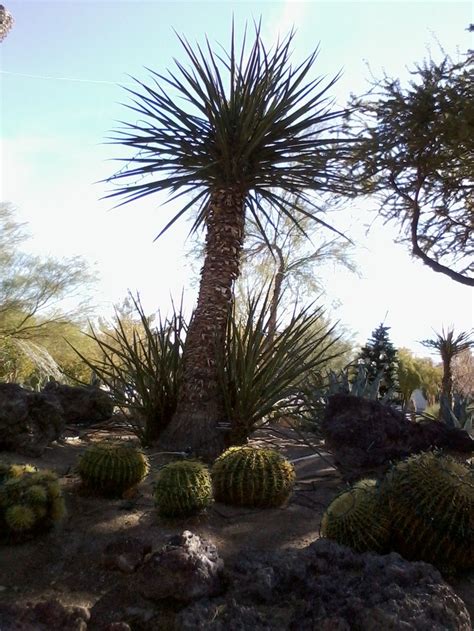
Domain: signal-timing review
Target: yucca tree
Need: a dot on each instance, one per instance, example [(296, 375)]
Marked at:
[(226, 131), (449, 345)]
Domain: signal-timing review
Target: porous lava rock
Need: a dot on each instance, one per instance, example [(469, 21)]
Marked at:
[(365, 436), (82, 405), (29, 421), (330, 587), (43, 616), (187, 567), (125, 554), (324, 586)]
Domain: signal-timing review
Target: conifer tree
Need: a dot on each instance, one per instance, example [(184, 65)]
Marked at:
[(380, 356)]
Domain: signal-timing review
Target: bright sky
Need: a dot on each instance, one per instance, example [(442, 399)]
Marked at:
[(62, 64)]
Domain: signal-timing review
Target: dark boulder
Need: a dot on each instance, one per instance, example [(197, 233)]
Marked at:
[(364, 436), (125, 554), (81, 404), (324, 586), (29, 421), (43, 616), (187, 567), (330, 587)]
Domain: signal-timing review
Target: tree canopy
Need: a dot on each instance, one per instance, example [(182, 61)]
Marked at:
[(36, 315), (415, 153), (34, 290)]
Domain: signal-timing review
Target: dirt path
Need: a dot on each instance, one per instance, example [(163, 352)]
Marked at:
[(66, 563)]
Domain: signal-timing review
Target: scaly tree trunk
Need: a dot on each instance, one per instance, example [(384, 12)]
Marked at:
[(200, 406)]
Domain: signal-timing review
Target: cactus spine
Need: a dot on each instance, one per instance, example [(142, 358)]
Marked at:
[(8, 471), (246, 476), (182, 488), (355, 518), (111, 468), (30, 502), (430, 501)]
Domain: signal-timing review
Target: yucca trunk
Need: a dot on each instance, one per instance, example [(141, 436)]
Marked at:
[(447, 381), (200, 406)]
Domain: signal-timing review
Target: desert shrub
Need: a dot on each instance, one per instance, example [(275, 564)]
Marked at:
[(182, 488), (261, 377), (142, 369), (246, 476), (111, 468), (30, 502), (356, 518)]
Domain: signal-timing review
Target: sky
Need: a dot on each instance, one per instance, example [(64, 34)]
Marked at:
[(62, 68)]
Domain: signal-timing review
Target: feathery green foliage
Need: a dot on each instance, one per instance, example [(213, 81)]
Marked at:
[(182, 488), (415, 153), (429, 500), (111, 468), (356, 518), (246, 476), (30, 502)]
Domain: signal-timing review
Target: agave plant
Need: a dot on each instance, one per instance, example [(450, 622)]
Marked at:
[(261, 372), (230, 131), (460, 414), (142, 371)]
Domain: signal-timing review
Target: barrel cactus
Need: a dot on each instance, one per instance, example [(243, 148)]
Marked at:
[(430, 501), (246, 476), (8, 471), (30, 502), (357, 519), (111, 468), (182, 488)]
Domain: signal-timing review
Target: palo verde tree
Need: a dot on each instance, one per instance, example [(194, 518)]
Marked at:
[(290, 258), (416, 156), (231, 132)]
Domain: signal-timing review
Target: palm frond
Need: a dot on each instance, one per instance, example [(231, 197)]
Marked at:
[(244, 119)]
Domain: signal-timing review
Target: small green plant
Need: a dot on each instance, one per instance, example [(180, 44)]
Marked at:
[(182, 488), (142, 369), (8, 471), (356, 518), (30, 502), (260, 376), (246, 476), (429, 500), (111, 468)]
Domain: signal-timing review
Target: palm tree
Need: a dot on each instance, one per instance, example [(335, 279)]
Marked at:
[(226, 132), (448, 347)]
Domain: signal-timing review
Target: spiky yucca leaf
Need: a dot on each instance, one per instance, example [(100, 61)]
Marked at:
[(261, 376), (143, 371), (245, 119)]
